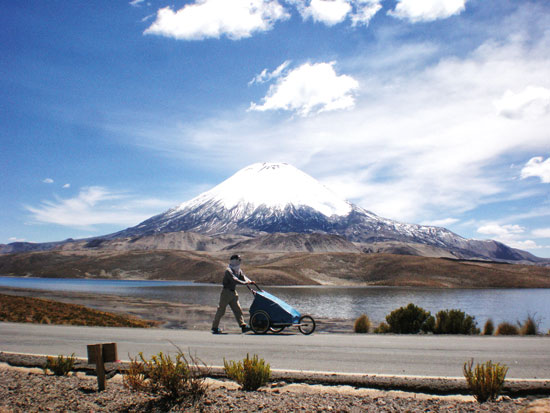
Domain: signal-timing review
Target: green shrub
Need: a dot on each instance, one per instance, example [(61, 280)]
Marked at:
[(507, 329), (455, 322), (410, 320), (529, 327), (485, 380), (383, 328), (488, 328), (60, 366), (250, 373), (362, 324), (172, 380)]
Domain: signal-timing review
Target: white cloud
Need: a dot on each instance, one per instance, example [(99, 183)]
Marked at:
[(136, 3), (509, 234), (365, 11), (531, 102), (537, 167), (441, 222), (148, 17), (501, 231), (524, 245), (427, 10), (329, 12), (266, 76), (96, 206), (310, 88), (541, 233), (15, 239), (202, 19), (48, 181), (66, 186)]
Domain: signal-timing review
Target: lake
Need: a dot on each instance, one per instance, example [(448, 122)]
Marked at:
[(507, 304)]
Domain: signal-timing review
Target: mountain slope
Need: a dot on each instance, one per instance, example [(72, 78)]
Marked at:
[(276, 197)]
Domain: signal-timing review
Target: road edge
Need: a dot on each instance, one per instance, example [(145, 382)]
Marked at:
[(412, 384)]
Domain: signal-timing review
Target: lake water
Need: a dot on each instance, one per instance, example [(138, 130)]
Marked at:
[(323, 301)]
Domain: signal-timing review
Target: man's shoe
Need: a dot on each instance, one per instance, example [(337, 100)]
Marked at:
[(216, 331), (245, 328)]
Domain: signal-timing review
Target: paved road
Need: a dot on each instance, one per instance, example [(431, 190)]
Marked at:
[(527, 357)]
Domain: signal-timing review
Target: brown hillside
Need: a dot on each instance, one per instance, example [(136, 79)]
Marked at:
[(157, 264), (35, 310), (277, 268)]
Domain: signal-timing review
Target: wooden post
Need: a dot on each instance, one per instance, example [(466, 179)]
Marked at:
[(99, 354), (110, 353)]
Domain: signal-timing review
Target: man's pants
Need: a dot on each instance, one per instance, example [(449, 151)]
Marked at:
[(232, 298)]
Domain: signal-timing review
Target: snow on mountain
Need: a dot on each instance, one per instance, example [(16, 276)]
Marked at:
[(270, 185), (269, 198), (279, 198)]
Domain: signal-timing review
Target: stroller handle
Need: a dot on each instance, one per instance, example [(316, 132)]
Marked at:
[(255, 285)]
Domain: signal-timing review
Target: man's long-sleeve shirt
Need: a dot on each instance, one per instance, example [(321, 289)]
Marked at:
[(230, 279)]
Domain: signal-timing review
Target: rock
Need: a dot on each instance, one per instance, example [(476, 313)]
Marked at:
[(537, 406)]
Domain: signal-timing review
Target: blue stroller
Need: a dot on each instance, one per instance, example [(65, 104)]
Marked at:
[(269, 313)]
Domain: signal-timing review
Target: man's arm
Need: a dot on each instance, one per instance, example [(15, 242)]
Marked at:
[(246, 279)]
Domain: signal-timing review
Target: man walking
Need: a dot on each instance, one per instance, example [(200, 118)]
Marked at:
[(233, 276)]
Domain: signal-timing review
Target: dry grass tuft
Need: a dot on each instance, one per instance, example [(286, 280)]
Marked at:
[(362, 324), (507, 329), (173, 380), (488, 328), (529, 327), (485, 380), (250, 373)]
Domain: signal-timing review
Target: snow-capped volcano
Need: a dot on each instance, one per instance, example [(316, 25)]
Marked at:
[(263, 197), (278, 198), (271, 185)]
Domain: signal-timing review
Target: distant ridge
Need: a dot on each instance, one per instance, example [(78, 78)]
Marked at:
[(279, 198), (277, 207)]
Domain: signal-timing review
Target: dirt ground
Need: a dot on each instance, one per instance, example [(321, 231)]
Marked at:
[(30, 390)]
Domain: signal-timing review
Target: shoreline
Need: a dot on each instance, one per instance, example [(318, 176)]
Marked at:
[(320, 283), (171, 315)]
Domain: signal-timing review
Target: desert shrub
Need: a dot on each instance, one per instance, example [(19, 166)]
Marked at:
[(488, 328), (250, 373), (362, 324), (455, 322), (383, 328), (485, 380), (410, 320), (529, 327), (506, 329), (60, 366), (173, 380)]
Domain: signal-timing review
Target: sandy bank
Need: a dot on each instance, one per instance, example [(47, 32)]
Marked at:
[(169, 314)]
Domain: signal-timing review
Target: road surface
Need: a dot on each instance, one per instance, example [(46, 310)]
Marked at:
[(416, 355)]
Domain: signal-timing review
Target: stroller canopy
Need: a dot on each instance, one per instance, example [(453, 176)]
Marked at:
[(278, 310)]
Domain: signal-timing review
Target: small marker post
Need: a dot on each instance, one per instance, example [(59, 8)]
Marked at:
[(99, 354)]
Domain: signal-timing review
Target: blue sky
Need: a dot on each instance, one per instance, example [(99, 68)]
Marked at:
[(425, 111)]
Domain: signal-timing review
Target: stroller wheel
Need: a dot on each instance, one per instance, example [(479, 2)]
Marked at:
[(307, 325), (260, 322), (276, 330)]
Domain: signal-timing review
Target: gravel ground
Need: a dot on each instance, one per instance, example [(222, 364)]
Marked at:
[(29, 390)]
